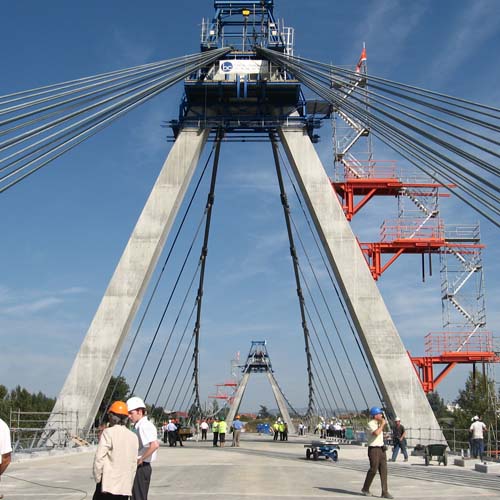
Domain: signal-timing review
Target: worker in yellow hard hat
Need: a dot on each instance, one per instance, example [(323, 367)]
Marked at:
[(115, 460)]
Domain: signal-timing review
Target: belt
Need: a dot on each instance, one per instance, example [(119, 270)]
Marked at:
[(375, 447), (144, 464)]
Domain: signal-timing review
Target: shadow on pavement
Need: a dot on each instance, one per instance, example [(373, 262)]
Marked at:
[(338, 490)]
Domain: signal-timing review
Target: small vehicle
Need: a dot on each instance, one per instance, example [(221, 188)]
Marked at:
[(185, 431), (436, 451), (322, 449)]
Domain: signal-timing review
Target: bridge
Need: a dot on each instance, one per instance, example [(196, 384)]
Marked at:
[(247, 84)]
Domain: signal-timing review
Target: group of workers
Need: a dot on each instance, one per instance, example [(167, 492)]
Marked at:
[(220, 428), (280, 429), (330, 429), (122, 464), (171, 434)]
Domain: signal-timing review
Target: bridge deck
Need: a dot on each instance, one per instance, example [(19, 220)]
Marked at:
[(260, 468)]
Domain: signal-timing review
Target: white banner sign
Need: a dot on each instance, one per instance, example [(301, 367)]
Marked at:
[(240, 66)]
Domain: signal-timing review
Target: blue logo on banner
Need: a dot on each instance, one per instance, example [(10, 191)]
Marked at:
[(226, 67)]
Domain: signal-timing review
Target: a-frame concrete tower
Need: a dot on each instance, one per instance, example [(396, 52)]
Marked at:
[(258, 361), (245, 93)]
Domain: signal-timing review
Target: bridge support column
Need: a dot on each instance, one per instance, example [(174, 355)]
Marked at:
[(385, 351), (88, 379), (281, 402)]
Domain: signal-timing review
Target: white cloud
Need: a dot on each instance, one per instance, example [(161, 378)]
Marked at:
[(388, 24), (467, 32), (32, 307)]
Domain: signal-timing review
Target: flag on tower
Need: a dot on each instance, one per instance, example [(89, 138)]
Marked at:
[(362, 59)]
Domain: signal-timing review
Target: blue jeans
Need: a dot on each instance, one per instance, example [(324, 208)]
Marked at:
[(478, 448), (399, 445)]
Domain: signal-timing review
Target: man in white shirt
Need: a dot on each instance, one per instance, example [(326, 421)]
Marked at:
[(172, 431), (204, 430), (148, 444), (477, 430), (5, 447), (376, 453)]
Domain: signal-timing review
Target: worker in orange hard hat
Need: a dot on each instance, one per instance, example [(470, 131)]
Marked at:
[(115, 461)]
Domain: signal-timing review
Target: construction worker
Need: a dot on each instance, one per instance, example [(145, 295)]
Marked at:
[(237, 425), (222, 431), (376, 453), (115, 461), (281, 428), (285, 431), (148, 444), (215, 430), (276, 429)]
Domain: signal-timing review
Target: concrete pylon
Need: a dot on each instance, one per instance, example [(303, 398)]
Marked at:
[(386, 353), (88, 379)]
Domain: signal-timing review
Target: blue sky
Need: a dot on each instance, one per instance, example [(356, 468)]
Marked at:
[(64, 229)]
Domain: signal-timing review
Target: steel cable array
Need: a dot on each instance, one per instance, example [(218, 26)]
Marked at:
[(393, 112), (341, 372), (72, 112)]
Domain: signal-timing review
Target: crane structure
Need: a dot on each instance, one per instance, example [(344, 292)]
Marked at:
[(245, 83), (418, 230), (258, 361)]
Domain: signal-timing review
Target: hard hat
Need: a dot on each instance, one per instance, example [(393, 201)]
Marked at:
[(397, 419), (474, 418), (375, 411), (222, 418), (119, 408), (135, 403)]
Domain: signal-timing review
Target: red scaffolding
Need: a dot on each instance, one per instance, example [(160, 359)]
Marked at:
[(225, 391), (406, 236), (450, 349)]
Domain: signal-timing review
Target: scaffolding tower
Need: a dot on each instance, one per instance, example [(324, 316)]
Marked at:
[(417, 229)]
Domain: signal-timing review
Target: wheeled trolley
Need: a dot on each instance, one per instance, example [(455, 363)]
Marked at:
[(322, 449), (436, 451)]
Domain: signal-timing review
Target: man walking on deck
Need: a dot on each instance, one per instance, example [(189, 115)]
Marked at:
[(376, 453), (399, 440)]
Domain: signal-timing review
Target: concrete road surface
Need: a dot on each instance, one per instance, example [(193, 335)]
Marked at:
[(260, 468)]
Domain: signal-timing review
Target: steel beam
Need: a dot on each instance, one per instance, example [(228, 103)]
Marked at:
[(385, 351), (88, 379)]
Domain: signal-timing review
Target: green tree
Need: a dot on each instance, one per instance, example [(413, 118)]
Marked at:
[(117, 390), (264, 413), (215, 407), (438, 406), (20, 399)]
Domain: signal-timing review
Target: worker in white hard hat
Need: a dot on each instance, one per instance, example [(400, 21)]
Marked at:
[(399, 440), (148, 444)]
